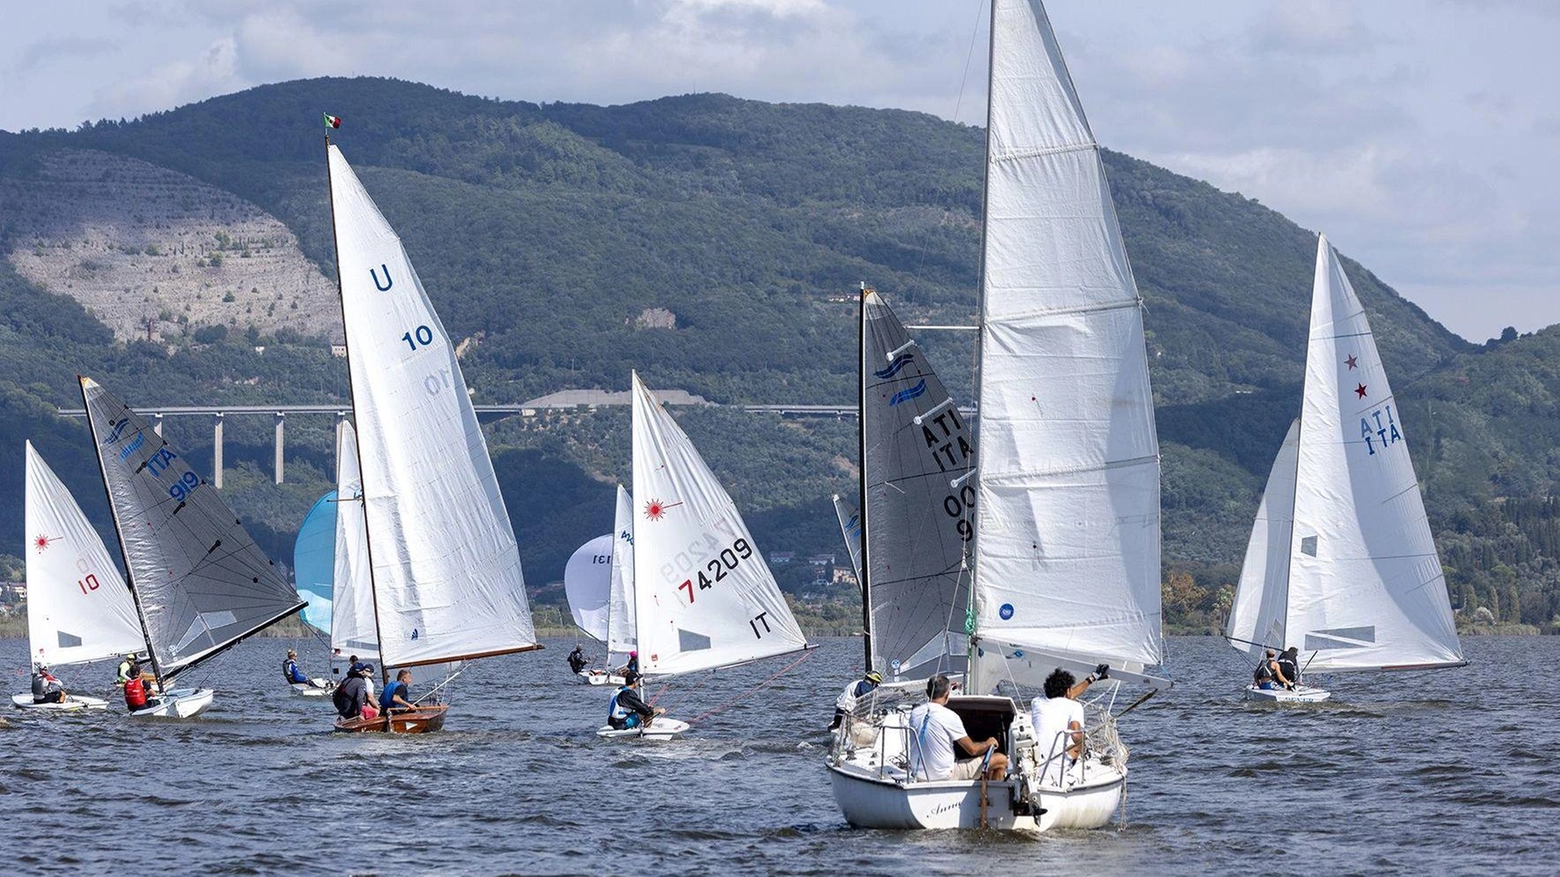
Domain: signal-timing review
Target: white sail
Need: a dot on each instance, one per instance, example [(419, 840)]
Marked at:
[(1067, 546), (352, 630), (78, 608), (1366, 588), (446, 568), (850, 528), (704, 597), (1257, 618), (620, 601), (587, 583)]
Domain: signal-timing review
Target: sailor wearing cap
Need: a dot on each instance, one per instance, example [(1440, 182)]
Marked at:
[(846, 704)]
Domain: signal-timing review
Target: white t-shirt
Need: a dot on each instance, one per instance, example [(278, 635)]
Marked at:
[(933, 728), (1052, 716)]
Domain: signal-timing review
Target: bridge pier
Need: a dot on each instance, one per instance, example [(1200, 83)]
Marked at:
[(281, 421), (216, 452)]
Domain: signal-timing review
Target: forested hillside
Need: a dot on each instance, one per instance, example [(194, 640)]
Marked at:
[(713, 244)]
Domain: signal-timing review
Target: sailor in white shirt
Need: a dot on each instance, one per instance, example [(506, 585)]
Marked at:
[(1058, 720), (935, 730)]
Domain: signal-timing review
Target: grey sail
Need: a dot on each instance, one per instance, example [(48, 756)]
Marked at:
[(917, 450), (199, 581)]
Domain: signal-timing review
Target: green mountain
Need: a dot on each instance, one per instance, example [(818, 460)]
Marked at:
[(713, 244)]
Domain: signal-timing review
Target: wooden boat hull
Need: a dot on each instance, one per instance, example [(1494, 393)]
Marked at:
[(71, 703), (423, 720), (661, 728), (180, 703), (1303, 694)]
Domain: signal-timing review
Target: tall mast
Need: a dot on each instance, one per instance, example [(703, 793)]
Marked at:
[(861, 450), (119, 538), (346, 342)]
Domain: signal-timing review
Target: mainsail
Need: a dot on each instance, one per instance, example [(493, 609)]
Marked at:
[(445, 566), (78, 608), (920, 504), (587, 583), (1067, 553), (352, 630), (1366, 589), (621, 638), (1257, 618), (314, 560), (199, 580), (704, 597)]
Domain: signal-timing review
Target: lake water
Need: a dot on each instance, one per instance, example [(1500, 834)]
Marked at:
[(1448, 772)]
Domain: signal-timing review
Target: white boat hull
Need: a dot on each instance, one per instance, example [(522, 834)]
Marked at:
[(180, 703), (313, 688), (873, 802), (600, 677), (1303, 694), (71, 703), (660, 729)]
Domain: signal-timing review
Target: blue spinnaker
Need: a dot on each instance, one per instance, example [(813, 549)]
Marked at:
[(314, 561)]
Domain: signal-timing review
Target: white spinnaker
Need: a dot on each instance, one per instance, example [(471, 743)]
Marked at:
[(1257, 618), (1366, 588), (587, 583), (703, 594), (446, 568), (78, 608), (620, 601), (1067, 546), (352, 630)]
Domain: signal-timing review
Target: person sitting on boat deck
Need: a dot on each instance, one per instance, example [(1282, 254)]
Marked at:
[(627, 710), (854, 692), (138, 694), (46, 688), (352, 695), (631, 667), (1058, 719), (935, 730), (398, 694), (577, 660), (1265, 676), (125, 667), (1289, 667), (292, 673)]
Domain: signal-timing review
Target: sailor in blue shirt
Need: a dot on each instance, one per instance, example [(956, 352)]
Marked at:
[(398, 694)]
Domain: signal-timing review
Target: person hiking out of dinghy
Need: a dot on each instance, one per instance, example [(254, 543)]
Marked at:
[(577, 660), (1058, 720), (936, 730), (845, 705), (1289, 667), (46, 688), (626, 709), (398, 694)]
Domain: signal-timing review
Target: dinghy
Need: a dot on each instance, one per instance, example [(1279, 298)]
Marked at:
[(200, 584), (1063, 505), (440, 567), (702, 595), (587, 583), (78, 608), (314, 559), (1341, 563)]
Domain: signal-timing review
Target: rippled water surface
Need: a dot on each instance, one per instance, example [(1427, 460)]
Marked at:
[(1449, 772)]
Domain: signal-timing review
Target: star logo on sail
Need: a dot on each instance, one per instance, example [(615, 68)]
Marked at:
[(655, 509), (1360, 390), (1351, 362), (41, 541)]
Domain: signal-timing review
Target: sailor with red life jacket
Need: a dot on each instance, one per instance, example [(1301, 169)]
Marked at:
[(138, 693)]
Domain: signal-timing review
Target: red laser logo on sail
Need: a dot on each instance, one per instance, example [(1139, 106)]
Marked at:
[(655, 509), (41, 541)]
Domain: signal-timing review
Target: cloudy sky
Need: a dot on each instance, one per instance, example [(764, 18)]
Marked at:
[(1421, 135)]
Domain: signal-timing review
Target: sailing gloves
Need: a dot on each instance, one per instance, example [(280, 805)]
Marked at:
[(1102, 672)]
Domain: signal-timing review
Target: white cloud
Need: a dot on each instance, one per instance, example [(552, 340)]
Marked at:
[(213, 71)]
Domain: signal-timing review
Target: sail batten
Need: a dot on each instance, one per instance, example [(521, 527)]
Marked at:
[(445, 566)]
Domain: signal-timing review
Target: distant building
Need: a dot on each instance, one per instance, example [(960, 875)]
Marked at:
[(821, 560), (782, 556)]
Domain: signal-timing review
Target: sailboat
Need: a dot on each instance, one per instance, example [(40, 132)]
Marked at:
[(702, 594), (314, 560), (442, 566), (78, 608), (595, 583), (1341, 563), (1064, 572), (200, 583)]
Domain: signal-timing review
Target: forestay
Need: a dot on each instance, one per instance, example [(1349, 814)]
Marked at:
[(314, 560), (199, 579), (1067, 556), (587, 583), (621, 638), (703, 595), (445, 565), (78, 608), (920, 516), (1257, 618), (850, 528), (352, 630), (1366, 588)]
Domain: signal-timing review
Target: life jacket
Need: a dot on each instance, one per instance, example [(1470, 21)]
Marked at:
[(39, 687), (616, 710), (1264, 673), (135, 694), (1290, 671)]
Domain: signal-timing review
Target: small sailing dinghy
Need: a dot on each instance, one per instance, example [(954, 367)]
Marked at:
[(200, 583), (1063, 504), (1341, 563), (78, 608), (703, 597), (439, 563), (589, 580), (314, 564)]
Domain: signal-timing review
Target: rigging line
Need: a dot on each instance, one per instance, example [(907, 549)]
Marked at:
[(755, 689)]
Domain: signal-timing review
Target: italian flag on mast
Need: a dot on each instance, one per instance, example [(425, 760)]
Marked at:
[(332, 121)]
